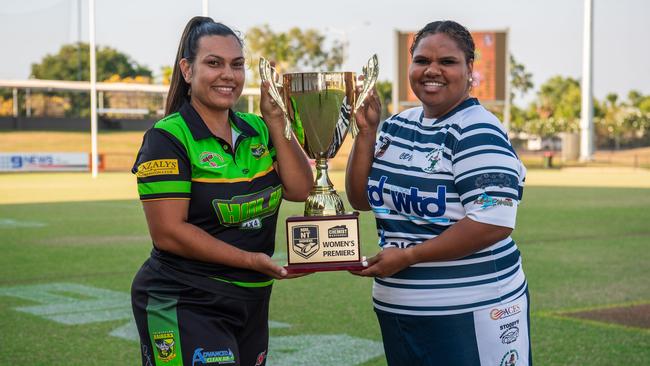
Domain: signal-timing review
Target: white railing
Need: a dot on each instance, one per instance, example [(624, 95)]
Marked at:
[(84, 86)]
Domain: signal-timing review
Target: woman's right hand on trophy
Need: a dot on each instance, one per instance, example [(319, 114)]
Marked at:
[(369, 112), (271, 111)]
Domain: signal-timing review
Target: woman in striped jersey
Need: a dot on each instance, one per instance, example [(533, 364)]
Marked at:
[(444, 184)]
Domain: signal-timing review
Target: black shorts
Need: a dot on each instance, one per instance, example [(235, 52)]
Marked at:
[(182, 325)]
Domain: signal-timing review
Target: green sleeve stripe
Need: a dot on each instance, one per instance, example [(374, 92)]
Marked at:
[(170, 186), (245, 284)]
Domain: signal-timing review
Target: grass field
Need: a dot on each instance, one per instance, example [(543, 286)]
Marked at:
[(66, 269)]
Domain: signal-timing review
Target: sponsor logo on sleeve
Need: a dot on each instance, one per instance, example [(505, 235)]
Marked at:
[(486, 201), (157, 167)]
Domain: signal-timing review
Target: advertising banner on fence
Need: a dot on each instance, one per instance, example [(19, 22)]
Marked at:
[(39, 162)]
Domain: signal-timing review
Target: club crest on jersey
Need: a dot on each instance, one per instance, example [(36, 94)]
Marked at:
[(258, 150), (433, 157), (213, 160), (384, 142), (165, 346)]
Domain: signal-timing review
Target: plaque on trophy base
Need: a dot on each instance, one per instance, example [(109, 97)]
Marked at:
[(323, 243)]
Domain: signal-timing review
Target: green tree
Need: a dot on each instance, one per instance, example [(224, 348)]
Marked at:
[(558, 103), (72, 62), (560, 97), (385, 92), (640, 101), (635, 97), (613, 119), (644, 105), (623, 123), (520, 117), (521, 81), (292, 50), (166, 72)]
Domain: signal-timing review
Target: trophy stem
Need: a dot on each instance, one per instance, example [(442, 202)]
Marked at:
[(323, 199)]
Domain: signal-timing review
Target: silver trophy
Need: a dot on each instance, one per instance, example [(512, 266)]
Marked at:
[(319, 107)]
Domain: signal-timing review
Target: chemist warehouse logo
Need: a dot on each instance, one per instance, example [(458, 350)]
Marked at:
[(247, 211), (410, 203)]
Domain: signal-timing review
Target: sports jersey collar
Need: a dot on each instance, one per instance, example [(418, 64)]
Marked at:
[(200, 131), (465, 104)]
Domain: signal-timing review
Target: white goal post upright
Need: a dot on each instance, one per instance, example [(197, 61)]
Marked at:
[(94, 158)]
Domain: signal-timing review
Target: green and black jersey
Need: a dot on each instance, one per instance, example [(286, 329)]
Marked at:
[(234, 191)]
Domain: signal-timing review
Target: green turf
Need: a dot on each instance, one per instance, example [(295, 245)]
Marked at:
[(582, 248)]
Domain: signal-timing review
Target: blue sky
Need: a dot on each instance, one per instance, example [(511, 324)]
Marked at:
[(546, 36)]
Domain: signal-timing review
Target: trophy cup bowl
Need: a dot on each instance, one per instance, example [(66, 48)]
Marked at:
[(319, 107)]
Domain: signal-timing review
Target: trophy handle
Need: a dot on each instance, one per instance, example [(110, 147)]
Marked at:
[(370, 74), (267, 73)]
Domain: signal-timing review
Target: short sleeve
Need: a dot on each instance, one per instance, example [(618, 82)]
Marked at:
[(488, 174), (266, 136), (162, 167)]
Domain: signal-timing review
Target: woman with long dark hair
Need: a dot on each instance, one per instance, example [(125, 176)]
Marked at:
[(211, 181)]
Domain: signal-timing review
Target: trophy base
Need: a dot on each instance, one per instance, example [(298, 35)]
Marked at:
[(324, 267), (323, 243)]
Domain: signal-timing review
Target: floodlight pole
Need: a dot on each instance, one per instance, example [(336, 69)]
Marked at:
[(587, 108), (204, 8), (94, 161)]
